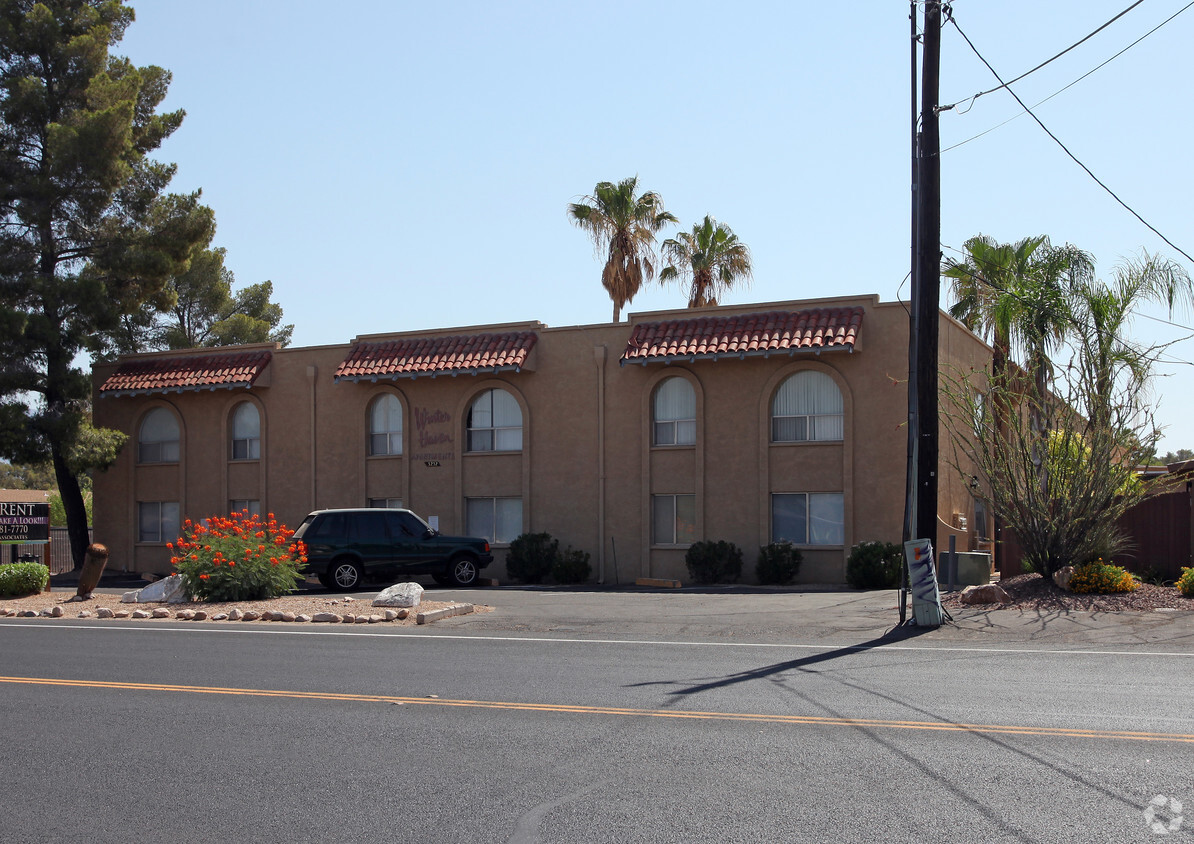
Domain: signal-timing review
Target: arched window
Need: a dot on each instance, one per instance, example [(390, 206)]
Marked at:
[(494, 422), (674, 412), (385, 425), (807, 406), (157, 441), (246, 432)]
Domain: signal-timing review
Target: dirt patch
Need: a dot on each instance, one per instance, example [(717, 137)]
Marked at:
[(1031, 591)]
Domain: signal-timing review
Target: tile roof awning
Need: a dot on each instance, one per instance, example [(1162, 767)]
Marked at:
[(178, 374), (433, 356), (745, 335)]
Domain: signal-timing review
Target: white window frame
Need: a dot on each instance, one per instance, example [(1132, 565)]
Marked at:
[(246, 445), (673, 414), (823, 421), (163, 516), (386, 503), (385, 441), (818, 532), (253, 505), (485, 432), (667, 525), (158, 450), (502, 528)]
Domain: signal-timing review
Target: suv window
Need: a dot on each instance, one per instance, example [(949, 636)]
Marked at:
[(329, 527), (405, 526), (369, 528)]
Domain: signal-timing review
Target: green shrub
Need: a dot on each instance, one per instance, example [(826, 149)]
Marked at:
[(778, 563), (571, 566), (1186, 582), (1101, 578), (238, 558), (714, 562), (875, 565), (19, 579), (531, 557)]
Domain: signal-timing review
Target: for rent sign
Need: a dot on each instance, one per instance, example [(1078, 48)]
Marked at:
[(24, 522)]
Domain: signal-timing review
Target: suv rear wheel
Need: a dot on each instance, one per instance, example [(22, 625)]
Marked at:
[(462, 571), (345, 575)]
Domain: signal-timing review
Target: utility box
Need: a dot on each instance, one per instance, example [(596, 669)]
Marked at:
[(974, 568)]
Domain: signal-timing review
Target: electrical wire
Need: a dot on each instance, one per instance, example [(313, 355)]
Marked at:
[(1065, 149), (1072, 84), (1003, 84)]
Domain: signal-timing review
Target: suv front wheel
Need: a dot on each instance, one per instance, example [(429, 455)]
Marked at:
[(345, 575), (462, 571)]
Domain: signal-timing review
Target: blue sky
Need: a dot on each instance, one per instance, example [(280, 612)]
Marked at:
[(394, 166)]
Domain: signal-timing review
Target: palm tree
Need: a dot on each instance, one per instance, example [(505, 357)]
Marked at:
[(712, 259), (1103, 310), (624, 225)]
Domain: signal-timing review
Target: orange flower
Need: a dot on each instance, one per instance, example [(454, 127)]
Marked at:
[(204, 576), (232, 562)]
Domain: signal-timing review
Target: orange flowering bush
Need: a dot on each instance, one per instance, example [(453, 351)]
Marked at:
[(238, 558)]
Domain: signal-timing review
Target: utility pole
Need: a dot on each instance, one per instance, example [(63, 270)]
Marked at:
[(926, 306)]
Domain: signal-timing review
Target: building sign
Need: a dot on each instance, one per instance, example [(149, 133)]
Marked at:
[(433, 436), (24, 523)]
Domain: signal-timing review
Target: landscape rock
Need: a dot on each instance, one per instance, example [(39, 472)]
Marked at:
[(302, 617), (989, 594), (391, 615), (57, 611), (130, 597), (361, 619), (399, 595), (373, 619), (236, 614), (161, 612), (27, 614), (142, 614), (120, 614), (185, 615), (85, 614), (328, 617), (287, 616), (168, 590), (200, 615), (73, 598), (251, 615), (103, 612), (348, 618), (1063, 576), (220, 616)]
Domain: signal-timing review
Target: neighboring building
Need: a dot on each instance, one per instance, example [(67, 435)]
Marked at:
[(627, 440)]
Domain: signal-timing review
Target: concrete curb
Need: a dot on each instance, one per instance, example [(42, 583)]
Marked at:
[(446, 612)]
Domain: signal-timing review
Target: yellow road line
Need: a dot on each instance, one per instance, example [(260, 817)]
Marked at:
[(813, 720)]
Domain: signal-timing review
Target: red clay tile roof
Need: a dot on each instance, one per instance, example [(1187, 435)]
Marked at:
[(745, 335), (173, 375), (462, 355)]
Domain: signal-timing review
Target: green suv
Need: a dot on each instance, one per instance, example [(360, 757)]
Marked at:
[(346, 546)]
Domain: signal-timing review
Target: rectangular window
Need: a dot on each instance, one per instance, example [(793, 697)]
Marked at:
[(673, 519), (158, 452), (497, 519), (808, 518), (393, 503), (157, 521), (241, 505), (246, 449), (679, 432)]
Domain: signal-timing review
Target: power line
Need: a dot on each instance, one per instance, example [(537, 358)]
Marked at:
[(1072, 84), (1003, 84), (1064, 148)]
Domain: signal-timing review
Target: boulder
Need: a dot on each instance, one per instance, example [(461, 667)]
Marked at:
[(326, 617), (161, 612), (235, 614), (141, 614), (989, 594), (399, 595), (168, 590), (1063, 576), (104, 612)]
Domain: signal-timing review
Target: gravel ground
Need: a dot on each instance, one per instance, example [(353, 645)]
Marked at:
[(1031, 591), (298, 604)]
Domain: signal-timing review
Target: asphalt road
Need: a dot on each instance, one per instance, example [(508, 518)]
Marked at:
[(123, 731)]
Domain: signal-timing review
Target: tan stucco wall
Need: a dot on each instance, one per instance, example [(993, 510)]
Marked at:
[(314, 445)]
